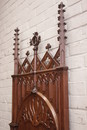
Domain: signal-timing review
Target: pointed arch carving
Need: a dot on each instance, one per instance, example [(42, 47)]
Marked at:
[(38, 110)]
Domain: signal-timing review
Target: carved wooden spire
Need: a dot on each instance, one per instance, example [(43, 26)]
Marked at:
[(61, 32), (16, 39), (35, 42)]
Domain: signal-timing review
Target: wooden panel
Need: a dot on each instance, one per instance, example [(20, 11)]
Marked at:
[(53, 87)]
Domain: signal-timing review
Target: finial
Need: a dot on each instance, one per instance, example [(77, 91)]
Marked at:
[(16, 30), (27, 53), (48, 46), (35, 40), (61, 5)]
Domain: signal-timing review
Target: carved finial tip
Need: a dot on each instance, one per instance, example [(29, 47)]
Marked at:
[(27, 53), (16, 30), (61, 5), (48, 46), (35, 33), (36, 39)]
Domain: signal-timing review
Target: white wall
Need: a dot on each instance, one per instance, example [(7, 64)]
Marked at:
[(41, 15)]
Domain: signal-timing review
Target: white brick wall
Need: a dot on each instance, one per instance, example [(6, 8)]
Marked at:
[(76, 17), (41, 16)]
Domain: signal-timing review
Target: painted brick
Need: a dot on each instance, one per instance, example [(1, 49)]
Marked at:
[(78, 116), (36, 20), (84, 30), (75, 35), (71, 2), (84, 5), (5, 91), (6, 83), (78, 47), (85, 60), (46, 24), (5, 107), (84, 18), (73, 10), (76, 126), (24, 28), (75, 62), (1, 128), (5, 115), (77, 75), (6, 75), (77, 89), (78, 102), (75, 22), (30, 1), (50, 33), (51, 11), (36, 4), (44, 6)]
